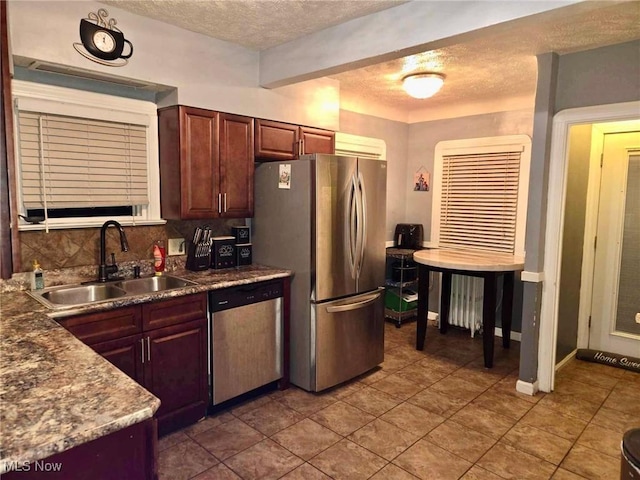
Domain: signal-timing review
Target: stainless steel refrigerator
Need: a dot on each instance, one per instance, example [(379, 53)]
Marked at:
[(323, 216)]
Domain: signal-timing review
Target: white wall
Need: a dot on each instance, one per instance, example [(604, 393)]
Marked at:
[(207, 73)]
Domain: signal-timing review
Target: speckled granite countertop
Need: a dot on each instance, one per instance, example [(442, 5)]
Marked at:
[(55, 392)]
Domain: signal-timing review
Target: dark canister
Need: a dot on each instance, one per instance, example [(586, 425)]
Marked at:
[(630, 469), (242, 235), (243, 252), (223, 252), (409, 235)]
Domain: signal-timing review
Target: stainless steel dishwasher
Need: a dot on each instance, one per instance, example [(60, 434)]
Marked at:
[(245, 338)]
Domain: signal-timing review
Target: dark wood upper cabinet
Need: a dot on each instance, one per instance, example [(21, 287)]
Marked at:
[(315, 140), (284, 141), (276, 141), (189, 163), (236, 165), (206, 164)]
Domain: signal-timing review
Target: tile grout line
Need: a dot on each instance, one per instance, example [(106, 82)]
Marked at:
[(494, 386)]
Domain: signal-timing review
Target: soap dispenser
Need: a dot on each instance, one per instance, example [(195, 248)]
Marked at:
[(37, 277)]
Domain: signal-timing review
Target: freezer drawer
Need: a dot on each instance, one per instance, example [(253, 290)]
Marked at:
[(246, 348), (349, 337)]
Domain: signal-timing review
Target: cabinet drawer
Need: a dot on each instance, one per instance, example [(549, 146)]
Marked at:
[(174, 311), (103, 326)]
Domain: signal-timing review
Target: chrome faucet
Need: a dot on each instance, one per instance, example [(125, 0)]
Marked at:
[(105, 270)]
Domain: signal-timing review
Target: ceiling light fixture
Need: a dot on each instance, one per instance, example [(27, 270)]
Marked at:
[(423, 85)]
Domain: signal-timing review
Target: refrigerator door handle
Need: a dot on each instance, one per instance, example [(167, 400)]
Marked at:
[(355, 305), (352, 227), (358, 229), (362, 221)]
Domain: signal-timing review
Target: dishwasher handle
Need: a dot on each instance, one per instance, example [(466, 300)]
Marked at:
[(369, 299)]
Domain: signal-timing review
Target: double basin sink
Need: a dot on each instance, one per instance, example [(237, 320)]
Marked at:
[(77, 295)]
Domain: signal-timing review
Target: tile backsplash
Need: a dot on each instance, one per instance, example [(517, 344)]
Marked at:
[(81, 246)]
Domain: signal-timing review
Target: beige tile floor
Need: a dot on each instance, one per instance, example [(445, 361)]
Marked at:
[(436, 414)]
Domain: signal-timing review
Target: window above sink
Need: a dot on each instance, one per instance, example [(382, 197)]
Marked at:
[(63, 171)]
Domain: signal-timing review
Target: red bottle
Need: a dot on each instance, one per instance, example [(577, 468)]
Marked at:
[(159, 256)]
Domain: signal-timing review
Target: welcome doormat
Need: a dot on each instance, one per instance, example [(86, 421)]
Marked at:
[(612, 359)]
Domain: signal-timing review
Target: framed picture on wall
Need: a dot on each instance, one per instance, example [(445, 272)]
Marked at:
[(421, 181)]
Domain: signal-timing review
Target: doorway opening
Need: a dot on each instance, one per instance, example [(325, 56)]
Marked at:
[(562, 338)]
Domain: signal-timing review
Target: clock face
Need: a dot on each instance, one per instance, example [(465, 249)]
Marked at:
[(104, 41)]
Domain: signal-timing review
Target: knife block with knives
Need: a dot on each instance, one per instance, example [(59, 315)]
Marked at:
[(199, 249)]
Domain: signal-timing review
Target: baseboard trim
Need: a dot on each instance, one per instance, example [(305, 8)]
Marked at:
[(566, 360), (515, 336), (533, 277), (527, 388)]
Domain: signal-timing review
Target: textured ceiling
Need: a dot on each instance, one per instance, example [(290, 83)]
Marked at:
[(497, 65), (256, 24)]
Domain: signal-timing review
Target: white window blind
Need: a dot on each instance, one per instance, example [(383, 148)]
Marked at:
[(69, 162), (480, 192), (479, 200)]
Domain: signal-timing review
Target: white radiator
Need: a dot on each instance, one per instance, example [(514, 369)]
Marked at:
[(466, 302)]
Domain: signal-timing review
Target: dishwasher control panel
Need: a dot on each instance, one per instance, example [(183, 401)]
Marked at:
[(232, 297)]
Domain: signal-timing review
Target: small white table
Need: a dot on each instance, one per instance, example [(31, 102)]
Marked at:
[(475, 263)]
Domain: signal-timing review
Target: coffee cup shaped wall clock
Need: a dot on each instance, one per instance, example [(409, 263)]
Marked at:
[(102, 42)]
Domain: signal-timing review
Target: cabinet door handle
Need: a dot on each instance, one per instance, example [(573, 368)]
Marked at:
[(219, 203), (148, 349), (301, 147), (225, 203), (142, 349)]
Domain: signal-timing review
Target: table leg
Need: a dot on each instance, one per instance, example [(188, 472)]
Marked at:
[(489, 317), (423, 305), (445, 301), (507, 308)]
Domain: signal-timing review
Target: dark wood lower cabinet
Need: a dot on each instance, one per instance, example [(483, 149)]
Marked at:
[(125, 353), (130, 453), (177, 374), (167, 354)]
